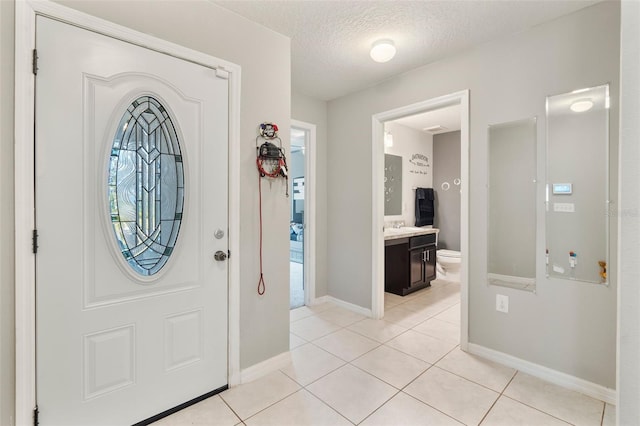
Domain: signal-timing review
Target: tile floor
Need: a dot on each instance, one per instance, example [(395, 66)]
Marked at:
[(404, 370)]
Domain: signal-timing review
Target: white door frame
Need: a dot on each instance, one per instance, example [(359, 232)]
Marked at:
[(309, 240), (377, 247), (25, 18)]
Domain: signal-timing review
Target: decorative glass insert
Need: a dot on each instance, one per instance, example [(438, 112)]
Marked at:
[(146, 185)]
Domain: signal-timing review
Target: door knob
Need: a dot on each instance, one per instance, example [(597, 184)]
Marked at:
[(220, 256)]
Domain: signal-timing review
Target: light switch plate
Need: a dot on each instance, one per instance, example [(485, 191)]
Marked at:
[(502, 303)]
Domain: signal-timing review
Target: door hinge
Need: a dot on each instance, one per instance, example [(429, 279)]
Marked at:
[(35, 416), (34, 241), (34, 61)]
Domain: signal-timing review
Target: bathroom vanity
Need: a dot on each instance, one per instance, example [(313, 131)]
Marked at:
[(410, 259)]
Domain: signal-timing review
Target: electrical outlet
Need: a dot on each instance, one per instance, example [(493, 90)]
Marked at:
[(502, 303)]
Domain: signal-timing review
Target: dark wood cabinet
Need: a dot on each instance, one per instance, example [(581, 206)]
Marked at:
[(410, 263), (396, 265), (423, 265)]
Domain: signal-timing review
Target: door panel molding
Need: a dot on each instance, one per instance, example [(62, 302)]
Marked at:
[(25, 18)]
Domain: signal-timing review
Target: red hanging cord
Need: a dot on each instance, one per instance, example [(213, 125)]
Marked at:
[(261, 284)]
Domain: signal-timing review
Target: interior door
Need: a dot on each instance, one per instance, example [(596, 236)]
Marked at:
[(131, 205)]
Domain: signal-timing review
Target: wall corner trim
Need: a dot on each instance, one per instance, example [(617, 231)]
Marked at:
[(265, 367), (553, 376)]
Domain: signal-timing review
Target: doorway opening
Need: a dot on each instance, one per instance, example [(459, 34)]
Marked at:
[(412, 117), (302, 217)]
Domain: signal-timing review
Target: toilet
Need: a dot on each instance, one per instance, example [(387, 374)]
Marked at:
[(448, 264)]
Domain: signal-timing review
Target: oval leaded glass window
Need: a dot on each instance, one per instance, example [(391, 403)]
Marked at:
[(146, 185)]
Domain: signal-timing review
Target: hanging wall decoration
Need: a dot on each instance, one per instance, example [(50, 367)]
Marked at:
[(272, 164)]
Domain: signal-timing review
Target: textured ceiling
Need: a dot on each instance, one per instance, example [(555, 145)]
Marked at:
[(447, 117), (330, 39)]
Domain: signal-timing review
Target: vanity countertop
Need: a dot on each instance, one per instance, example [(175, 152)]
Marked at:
[(407, 231)]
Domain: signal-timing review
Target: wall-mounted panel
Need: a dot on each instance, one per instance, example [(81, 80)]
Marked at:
[(577, 208)]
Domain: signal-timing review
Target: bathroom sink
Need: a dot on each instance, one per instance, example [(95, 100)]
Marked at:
[(394, 230), (407, 230)]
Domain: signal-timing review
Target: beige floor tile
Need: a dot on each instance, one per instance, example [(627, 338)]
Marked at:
[(340, 316), (479, 370), (248, 399), (352, 392), (609, 418), (391, 366), (309, 363), (439, 329), (426, 308), (507, 412), (451, 314), (321, 307), (295, 341), (210, 412), (391, 299), (421, 346), (403, 317), (346, 344), (379, 330), (461, 399), (311, 328), (407, 411), (562, 403), (301, 408), (388, 305), (446, 299), (299, 313)]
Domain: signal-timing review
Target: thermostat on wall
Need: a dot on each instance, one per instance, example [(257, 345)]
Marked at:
[(562, 188)]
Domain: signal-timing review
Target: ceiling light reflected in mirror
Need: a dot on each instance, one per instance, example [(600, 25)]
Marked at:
[(581, 105)]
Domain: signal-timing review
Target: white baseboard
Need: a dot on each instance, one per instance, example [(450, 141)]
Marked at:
[(265, 367), (553, 376), (346, 305)]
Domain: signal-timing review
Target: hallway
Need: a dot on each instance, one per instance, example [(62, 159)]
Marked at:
[(407, 369)]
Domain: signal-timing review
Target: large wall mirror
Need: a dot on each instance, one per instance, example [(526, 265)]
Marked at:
[(392, 185), (512, 204), (577, 222)]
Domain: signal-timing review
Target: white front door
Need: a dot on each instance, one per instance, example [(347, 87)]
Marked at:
[(131, 205)]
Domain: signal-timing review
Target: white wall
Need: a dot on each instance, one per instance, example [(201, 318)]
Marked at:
[(203, 26), (566, 326), (406, 143), (629, 213), (313, 111), (7, 335)]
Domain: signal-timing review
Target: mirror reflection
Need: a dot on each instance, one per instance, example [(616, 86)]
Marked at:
[(512, 204), (392, 185), (577, 185)]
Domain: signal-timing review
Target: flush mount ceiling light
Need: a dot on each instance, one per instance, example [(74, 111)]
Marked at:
[(581, 105), (382, 50)]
